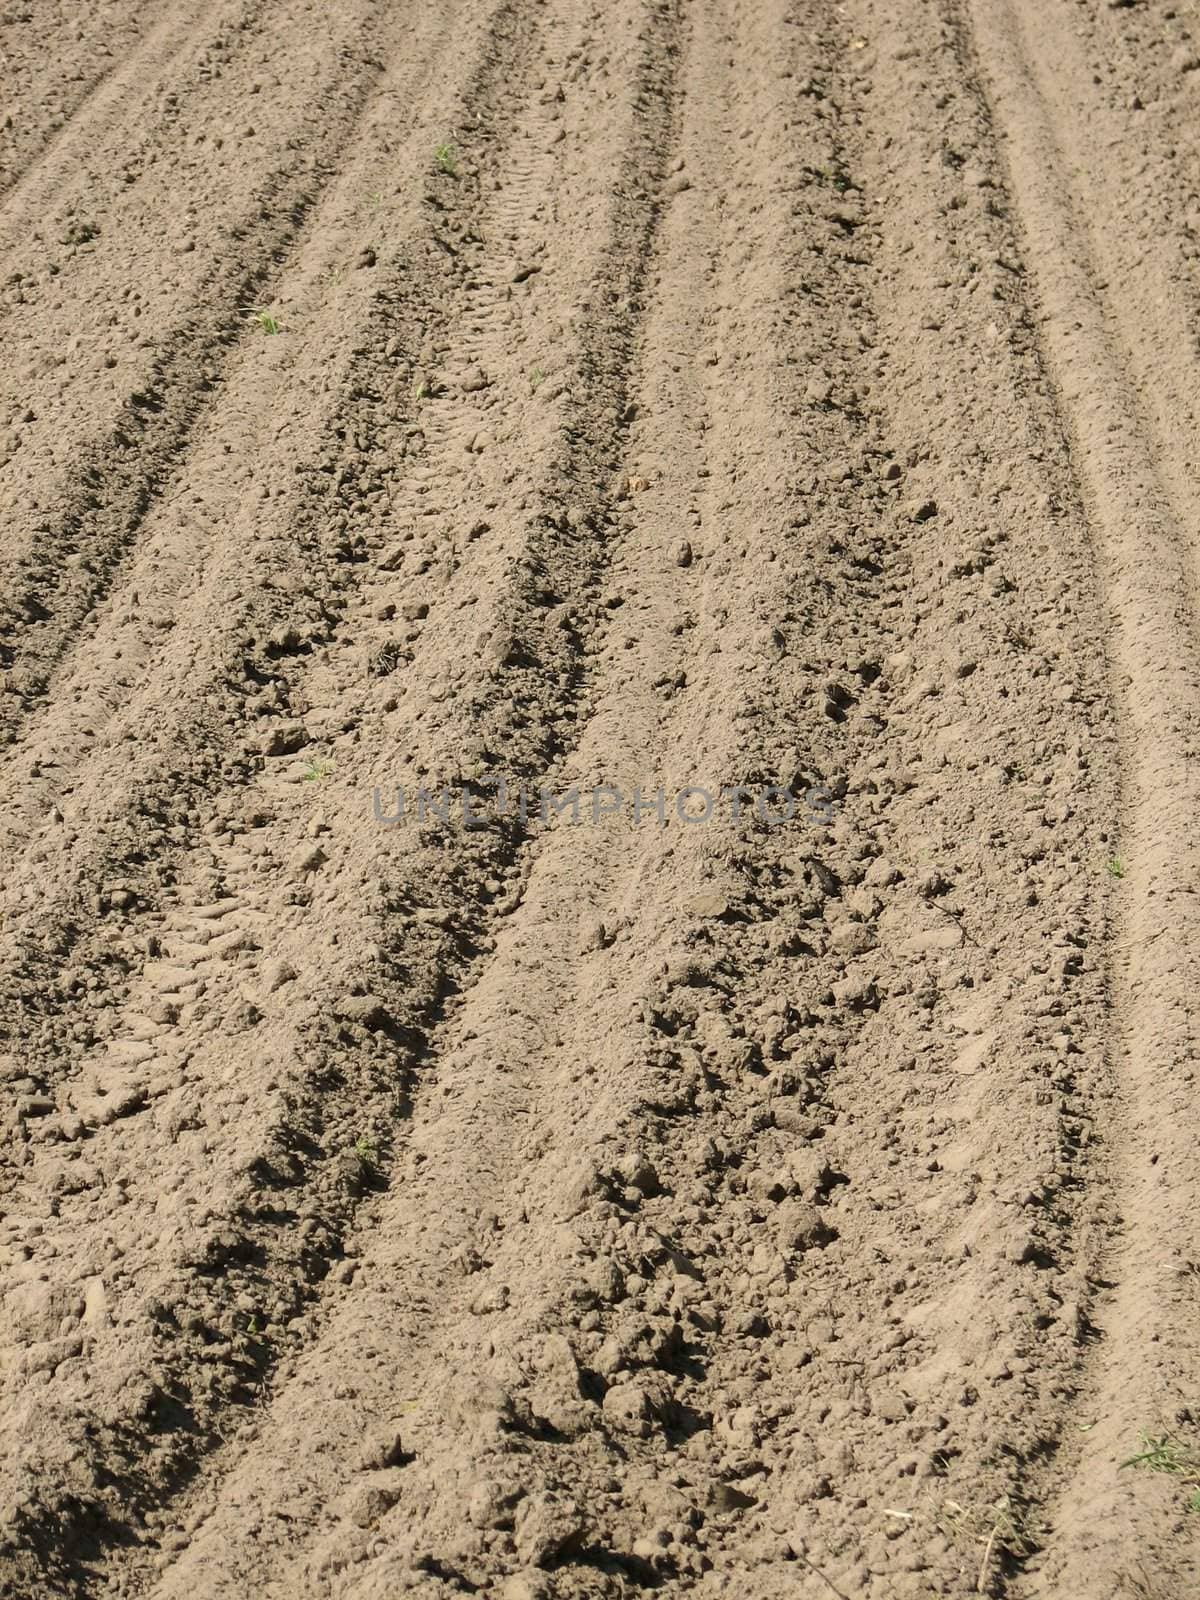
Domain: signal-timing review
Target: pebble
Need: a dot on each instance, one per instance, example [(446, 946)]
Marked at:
[(725, 1497), (230, 944), (853, 992), (366, 1009), (881, 874), (708, 905), (306, 859), (127, 1051), (385, 1451), (525, 1586), (281, 739), (372, 1501), (851, 939), (276, 973), (932, 939), (547, 1528)]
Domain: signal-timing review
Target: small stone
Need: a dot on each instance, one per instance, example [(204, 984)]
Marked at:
[(525, 1586), (372, 1501), (502, 650), (281, 739), (276, 973), (921, 510), (683, 554), (547, 1528), (851, 939), (582, 1184), (856, 992), (639, 1174), (306, 859), (708, 905), (725, 1497), (837, 695), (230, 944), (604, 1281), (803, 1226), (809, 1173), (385, 1451), (881, 874), (368, 1010), (38, 1310), (625, 1406), (490, 1300), (889, 1407), (34, 1105), (1020, 1246)]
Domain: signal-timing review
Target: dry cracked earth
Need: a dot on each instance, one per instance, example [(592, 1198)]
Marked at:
[(792, 1193)]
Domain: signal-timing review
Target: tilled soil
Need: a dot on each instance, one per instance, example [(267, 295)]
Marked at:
[(792, 1193)]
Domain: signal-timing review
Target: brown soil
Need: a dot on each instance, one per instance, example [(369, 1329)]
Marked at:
[(663, 393)]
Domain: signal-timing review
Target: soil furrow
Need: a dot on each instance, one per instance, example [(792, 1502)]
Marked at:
[(53, 66), (166, 66), (1139, 491), (111, 461)]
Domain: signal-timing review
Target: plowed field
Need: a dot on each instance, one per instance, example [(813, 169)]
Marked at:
[(600, 715)]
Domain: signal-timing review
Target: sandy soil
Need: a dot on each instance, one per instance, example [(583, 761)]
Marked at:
[(653, 394)]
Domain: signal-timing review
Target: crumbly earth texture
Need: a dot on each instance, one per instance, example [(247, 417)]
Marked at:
[(680, 395)]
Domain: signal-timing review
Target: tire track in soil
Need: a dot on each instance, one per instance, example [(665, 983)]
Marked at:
[(282, 648), (150, 586), (132, 1046), (948, 1062), (92, 868), (48, 85), (1120, 377), (64, 555), (70, 176), (228, 908), (568, 565)]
